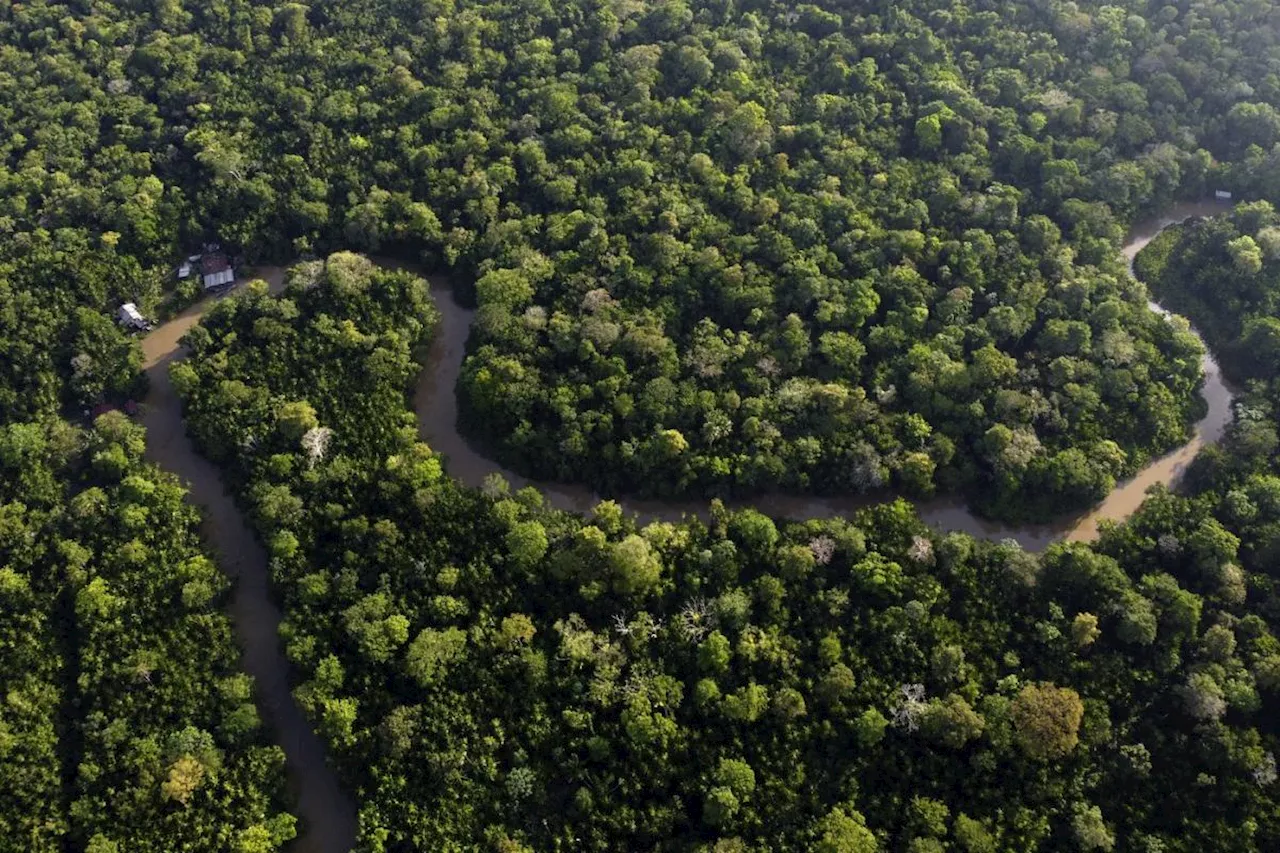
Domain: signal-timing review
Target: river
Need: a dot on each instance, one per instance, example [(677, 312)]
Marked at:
[(437, 410), (328, 814)]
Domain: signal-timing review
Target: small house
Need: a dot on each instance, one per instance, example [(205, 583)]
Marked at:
[(1222, 195), (216, 271), (131, 318), (184, 271)]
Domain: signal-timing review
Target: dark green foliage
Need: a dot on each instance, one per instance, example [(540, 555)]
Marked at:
[(1224, 273), (118, 664), (721, 249), (718, 248), (486, 667), (57, 352)]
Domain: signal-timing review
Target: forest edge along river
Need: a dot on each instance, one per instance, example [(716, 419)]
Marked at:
[(328, 814), (437, 410)]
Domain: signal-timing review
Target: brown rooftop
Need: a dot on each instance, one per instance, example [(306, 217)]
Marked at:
[(214, 263)]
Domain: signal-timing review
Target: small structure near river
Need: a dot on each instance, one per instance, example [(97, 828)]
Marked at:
[(216, 269), (131, 318)]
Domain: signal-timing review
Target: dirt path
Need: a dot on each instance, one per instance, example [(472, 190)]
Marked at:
[(328, 814)]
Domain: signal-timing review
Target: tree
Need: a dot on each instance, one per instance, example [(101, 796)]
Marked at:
[(295, 419), (516, 630), (508, 288), (842, 831), (837, 684), (1246, 255), (432, 653), (719, 806), (1268, 240), (1046, 720), (185, 777), (1202, 697), (634, 568), (748, 133), (737, 776), (754, 530), (973, 836), (869, 727), (1090, 830), (928, 816), (951, 722), (1084, 629), (747, 704), (376, 628), (1138, 623), (527, 543), (714, 653)]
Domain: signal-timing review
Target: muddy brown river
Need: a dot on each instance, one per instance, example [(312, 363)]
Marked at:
[(328, 814), (437, 410)]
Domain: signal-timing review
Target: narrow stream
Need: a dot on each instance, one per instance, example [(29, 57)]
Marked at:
[(437, 409), (328, 814)]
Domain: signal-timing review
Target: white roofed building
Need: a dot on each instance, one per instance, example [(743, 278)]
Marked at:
[(131, 318)]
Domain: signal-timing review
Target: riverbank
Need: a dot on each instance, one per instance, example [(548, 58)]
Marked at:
[(328, 815)]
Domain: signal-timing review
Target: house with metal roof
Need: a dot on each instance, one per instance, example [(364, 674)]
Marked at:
[(131, 318), (216, 271)]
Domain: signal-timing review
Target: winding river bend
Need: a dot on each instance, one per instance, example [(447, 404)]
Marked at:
[(328, 814), (437, 410)]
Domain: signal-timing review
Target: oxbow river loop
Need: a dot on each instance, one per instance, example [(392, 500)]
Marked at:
[(327, 812), (437, 411)]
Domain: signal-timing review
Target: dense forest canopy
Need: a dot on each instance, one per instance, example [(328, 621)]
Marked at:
[(716, 248), (720, 248), (485, 667), (1225, 272), (126, 724)]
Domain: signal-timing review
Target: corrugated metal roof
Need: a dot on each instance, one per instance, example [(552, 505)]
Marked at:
[(217, 279), (129, 314)]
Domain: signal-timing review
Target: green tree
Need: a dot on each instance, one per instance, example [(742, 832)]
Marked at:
[(432, 653), (1046, 720), (842, 831)]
